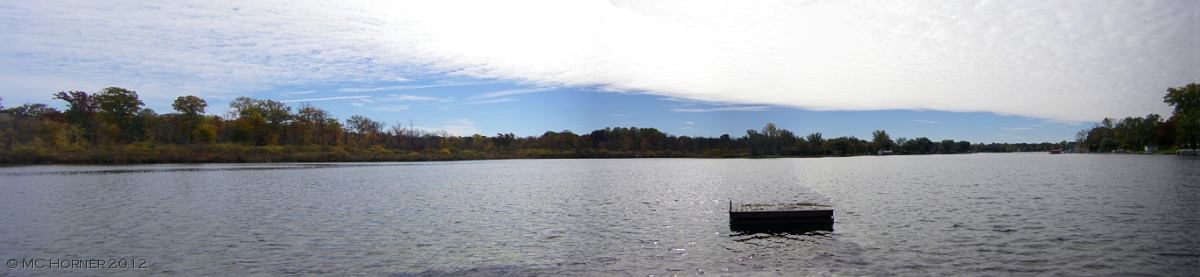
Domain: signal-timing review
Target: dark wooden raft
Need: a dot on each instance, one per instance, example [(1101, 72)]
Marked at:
[(794, 217)]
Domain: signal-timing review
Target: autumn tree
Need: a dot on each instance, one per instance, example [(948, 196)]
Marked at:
[(365, 131), (259, 121), (505, 140), (81, 111), (304, 128), (23, 122)]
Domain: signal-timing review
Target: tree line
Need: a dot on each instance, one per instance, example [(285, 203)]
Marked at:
[(1180, 131), (113, 125)]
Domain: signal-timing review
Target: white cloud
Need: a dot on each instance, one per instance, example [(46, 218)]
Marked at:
[(491, 97), (460, 127), (299, 92), (509, 92), (454, 127), (1067, 61), (325, 99), (401, 87), (389, 108), (383, 103), (417, 98), (722, 109), (687, 125), (489, 101)]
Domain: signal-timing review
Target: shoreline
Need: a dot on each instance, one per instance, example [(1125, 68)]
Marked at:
[(236, 153)]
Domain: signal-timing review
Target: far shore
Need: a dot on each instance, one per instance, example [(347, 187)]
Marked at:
[(236, 153)]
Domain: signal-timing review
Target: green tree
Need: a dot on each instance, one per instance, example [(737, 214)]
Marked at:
[(146, 123), (880, 140), (948, 146), (1165, 134), (191, 115), (841, 146), (119, 107), (1109, 144), (769, 141), (1098, 133), (964, 146), (1186, 100), (902, 144), (921, 145), (816, 143)]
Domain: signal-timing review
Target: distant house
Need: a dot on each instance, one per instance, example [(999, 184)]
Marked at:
[(1151, 149), (884, 152)]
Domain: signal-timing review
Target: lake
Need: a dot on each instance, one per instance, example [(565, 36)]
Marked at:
[(971, 214)]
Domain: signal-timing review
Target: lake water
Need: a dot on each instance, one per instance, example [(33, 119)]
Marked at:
[(978, 214)]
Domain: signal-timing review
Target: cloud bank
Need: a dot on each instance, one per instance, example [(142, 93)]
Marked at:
[(1058, 60)]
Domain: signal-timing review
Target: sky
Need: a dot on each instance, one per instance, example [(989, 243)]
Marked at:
[(982, 71)]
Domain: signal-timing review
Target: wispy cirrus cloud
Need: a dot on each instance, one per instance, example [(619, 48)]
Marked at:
[(416, 98), (401, 87), (298, 92), (501, 96), (509, 92), (722, 109), (325, 99), (489, 101), (387, 103), (389, 108)]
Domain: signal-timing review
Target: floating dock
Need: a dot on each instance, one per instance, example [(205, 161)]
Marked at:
[(794, 217)]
